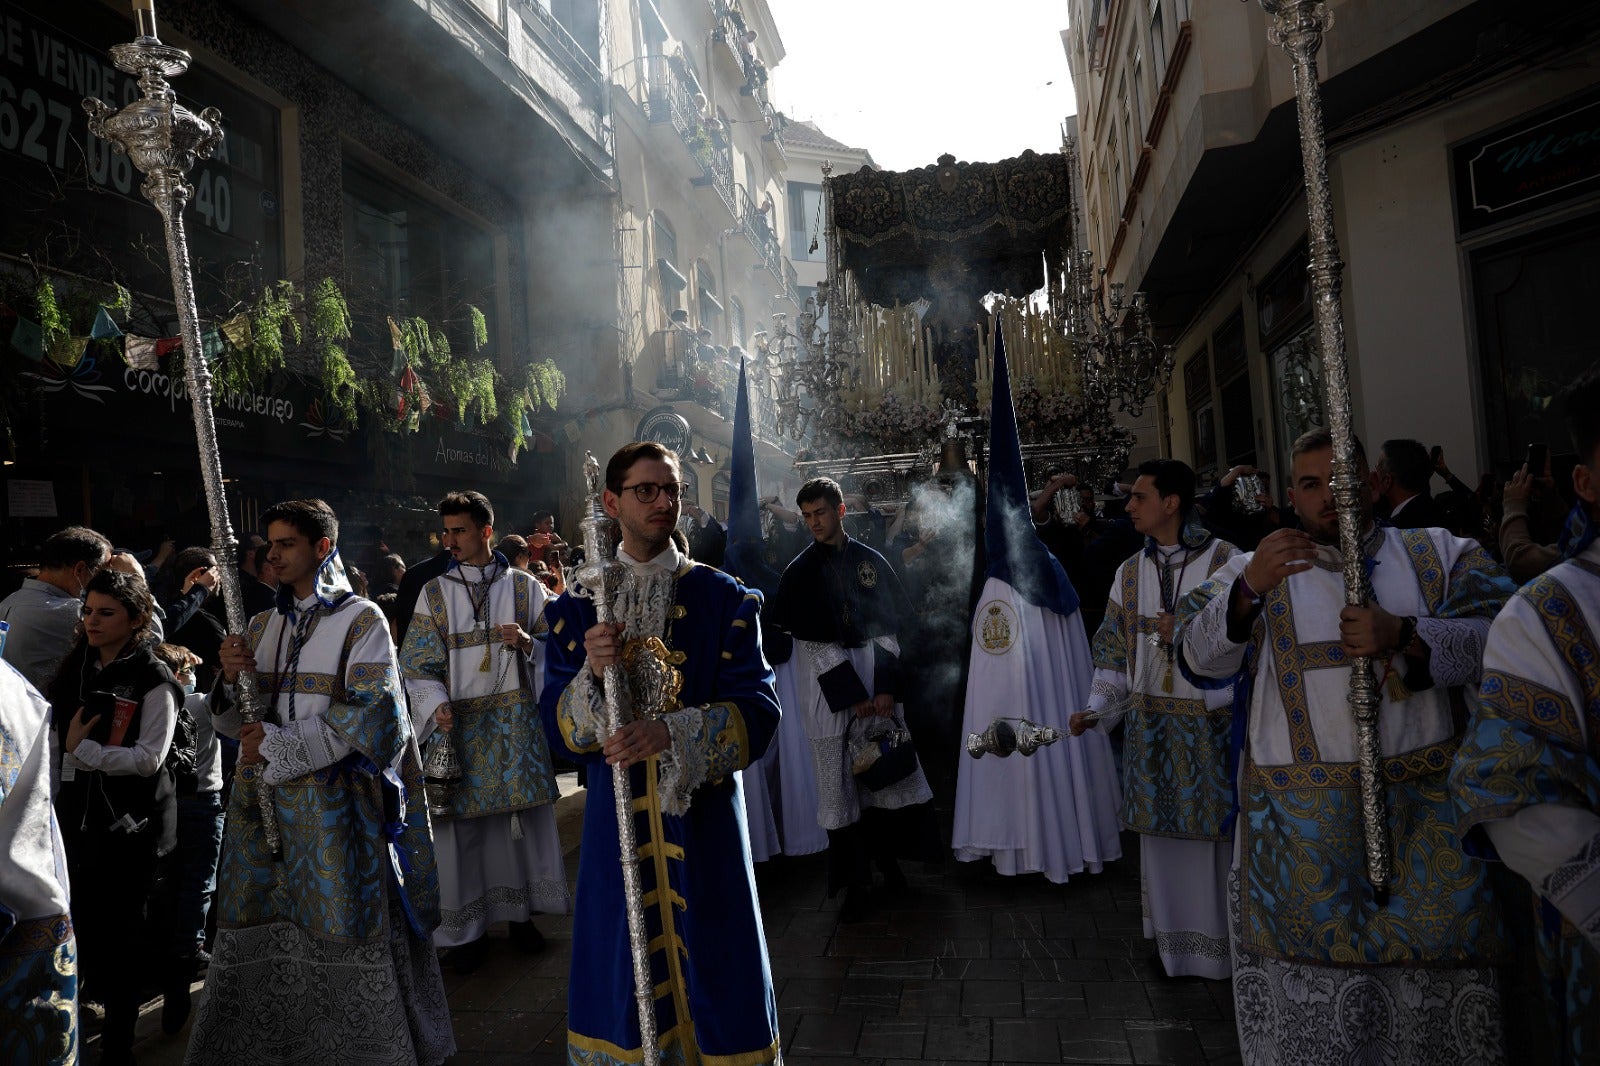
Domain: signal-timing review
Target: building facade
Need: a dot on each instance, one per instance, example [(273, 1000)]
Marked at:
[(809, 148), (1466, 194), (700, 247), (423, 156)]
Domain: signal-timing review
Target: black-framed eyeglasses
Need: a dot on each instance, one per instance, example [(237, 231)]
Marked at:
[(647, 491)]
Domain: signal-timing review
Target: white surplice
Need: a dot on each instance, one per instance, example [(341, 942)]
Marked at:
[(499, 853)]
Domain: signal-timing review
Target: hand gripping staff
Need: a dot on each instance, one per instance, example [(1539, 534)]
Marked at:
[(601, 575), (163, 139)]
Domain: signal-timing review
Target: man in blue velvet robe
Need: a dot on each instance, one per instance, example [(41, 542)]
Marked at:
[(713, 986)]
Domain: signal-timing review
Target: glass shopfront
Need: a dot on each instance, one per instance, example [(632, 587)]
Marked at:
[(73, 204)]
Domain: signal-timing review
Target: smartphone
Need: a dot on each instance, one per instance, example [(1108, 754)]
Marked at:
[(1434, 453), (1537, 454)]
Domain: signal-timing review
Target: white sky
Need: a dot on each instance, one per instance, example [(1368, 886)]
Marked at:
[(911, 79)]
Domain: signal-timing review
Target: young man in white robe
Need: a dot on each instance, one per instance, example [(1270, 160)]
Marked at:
[(472, 667), (326, 946), (1528, 774), (1323, 964), (1177, 788)]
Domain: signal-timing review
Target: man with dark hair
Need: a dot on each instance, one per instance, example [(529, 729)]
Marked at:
[(1304, 902), (1528, 774), (843, 605), (471, 663), (257, 594), (1402, 480), (329, 947), (43, 614), (702, 708), (1177, 788)]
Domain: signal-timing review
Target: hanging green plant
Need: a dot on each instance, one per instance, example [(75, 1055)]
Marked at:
[(480, 327), (52, 322), (471, 383), (244, 368), (329, 317), (543, 384)]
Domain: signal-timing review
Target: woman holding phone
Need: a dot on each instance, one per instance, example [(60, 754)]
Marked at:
[(115, 707)]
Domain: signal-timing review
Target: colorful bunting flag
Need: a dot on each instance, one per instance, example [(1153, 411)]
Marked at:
[(399, 362), (67, 351), (104, 328), (167, 344), (211, 345), (28, 339), (139, 352), (237, 330)]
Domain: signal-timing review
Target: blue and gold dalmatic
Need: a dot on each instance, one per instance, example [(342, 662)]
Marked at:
[(1175, 770), (708, 957), (340, 844), (1302, 857), (1535, 739)]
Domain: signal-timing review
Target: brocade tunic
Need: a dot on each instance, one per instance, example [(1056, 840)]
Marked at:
[(708, 954), (328, 950)]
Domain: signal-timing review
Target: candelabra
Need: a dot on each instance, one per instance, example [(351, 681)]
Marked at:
[(805, 369), (1122, 362)]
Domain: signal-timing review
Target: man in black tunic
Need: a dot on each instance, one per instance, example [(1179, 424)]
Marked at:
[(842, 604)]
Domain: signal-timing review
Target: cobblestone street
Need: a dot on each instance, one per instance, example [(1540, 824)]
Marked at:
[(970, 968)]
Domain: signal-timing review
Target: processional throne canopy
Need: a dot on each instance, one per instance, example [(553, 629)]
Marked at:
[(952, 230)]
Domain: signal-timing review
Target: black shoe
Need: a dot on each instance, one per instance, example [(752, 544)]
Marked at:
[(468, 957), (526, 938), (857, 903)]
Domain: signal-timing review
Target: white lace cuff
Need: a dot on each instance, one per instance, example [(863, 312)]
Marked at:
[(1574, 889), (1455, 647), (587, 704), (1107, 699), (1203, 640), (299, 748), (683, 765)]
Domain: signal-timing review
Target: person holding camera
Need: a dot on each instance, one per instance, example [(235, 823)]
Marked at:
[(116, 706)]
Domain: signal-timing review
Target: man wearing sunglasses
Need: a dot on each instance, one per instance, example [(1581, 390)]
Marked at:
[(689, 634)]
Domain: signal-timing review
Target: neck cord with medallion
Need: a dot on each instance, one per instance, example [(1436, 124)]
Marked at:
[(1169, 593), (478, 595)]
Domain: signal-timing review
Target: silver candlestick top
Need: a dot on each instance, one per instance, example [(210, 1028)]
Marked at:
[(1002, 738)]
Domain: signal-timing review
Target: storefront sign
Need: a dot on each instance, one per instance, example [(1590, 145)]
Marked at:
[(1541, 160), (285, 418), (447, 450), (59, 176)]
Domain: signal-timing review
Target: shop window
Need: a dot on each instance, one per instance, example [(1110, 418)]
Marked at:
[(1232, 361), (405, 255)]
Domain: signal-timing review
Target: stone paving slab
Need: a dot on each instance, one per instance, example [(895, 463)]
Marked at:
[(969, 967)]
